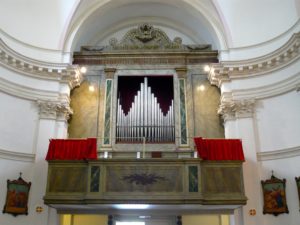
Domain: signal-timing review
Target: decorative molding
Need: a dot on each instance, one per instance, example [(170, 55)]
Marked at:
[(17, 156), (57, 110), (279, 154), (228, 70), (267, 91), (38, 69), (146, 37), (25, 92), (231, 109)]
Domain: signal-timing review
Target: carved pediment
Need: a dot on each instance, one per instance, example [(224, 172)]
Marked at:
[(146, 37)]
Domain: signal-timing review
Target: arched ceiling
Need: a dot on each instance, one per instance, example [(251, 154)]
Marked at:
[(93, 22)]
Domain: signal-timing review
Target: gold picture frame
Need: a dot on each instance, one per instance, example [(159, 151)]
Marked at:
[(17, 197), (274, 196)]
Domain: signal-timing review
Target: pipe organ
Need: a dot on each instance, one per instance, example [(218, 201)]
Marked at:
[(145, 119)]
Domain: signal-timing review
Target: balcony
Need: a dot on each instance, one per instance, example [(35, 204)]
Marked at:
[(187, 184)]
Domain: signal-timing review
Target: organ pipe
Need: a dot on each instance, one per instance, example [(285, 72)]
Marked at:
[(145, 119)]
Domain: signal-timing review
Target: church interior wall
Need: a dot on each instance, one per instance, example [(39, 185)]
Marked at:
[(17, 134)]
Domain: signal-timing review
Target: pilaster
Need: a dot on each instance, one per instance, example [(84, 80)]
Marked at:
[(108, 100), (239, 119), (183, 130)]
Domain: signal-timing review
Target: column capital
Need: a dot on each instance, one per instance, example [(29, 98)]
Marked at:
[(110, 72), (233, 109), (181, 72), (56, 110)]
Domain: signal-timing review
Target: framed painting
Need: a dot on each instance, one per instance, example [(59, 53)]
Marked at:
[(298, 187), (17, 197), (274, 196)]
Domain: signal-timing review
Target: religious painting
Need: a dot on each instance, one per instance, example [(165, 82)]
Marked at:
[(298, 186), (274, 196), (17, 197)]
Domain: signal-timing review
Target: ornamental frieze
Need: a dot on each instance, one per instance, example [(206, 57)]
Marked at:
[(146, 37)]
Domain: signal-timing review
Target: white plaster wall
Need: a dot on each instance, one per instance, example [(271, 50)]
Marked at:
[(18, 123), (287, 168), (278, 122)]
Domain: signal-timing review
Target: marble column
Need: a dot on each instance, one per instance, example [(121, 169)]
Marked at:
[(240, 123)]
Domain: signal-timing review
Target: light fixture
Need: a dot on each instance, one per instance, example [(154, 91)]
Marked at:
[(132, 206), (201, 87), (83, 69), (91, 88), (206, 68)]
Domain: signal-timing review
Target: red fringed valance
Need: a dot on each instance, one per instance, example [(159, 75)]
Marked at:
[(219, 149), (72, 149)]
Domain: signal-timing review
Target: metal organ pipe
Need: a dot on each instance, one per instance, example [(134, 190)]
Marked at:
[(145, 119)]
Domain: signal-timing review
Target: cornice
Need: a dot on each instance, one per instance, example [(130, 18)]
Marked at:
[(233, 109), (61, 72), (228, 70), (279, 154), (25, 92), (16, 156)]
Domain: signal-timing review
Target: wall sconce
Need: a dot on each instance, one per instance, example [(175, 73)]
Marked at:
[(91, 88), (201, 88)]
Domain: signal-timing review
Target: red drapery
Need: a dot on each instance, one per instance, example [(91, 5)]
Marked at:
[(219, 149), (72, 149)]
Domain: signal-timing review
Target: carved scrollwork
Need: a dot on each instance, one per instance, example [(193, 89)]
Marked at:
[(146, 37)]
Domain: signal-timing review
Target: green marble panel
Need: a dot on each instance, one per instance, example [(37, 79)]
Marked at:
[(108, 104), (193, 179), (95, 179), (183, 129)]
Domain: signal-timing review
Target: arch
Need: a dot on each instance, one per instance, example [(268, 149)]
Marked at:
[(197, 19)]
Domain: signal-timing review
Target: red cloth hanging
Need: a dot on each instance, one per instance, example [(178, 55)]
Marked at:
[(219, 149), (72, 149)]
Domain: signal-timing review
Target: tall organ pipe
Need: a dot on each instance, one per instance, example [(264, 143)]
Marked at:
[(145, 119)]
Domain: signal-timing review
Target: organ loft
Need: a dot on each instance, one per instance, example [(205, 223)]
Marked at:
[(151, 129)]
